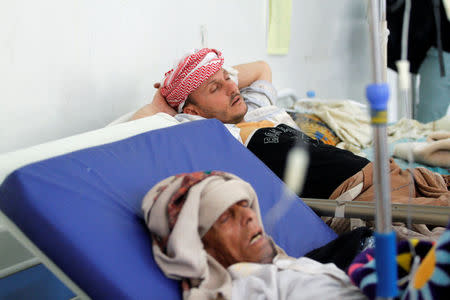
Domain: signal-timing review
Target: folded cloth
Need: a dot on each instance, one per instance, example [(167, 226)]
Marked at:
[(430, 279), (435, 152), (408, 128), (438, 135), (413, 129)]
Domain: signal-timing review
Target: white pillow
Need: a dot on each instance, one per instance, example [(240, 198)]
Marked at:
[(16, 159), (122, 119)]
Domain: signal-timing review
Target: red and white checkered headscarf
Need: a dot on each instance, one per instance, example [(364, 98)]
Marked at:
[(190, 72)]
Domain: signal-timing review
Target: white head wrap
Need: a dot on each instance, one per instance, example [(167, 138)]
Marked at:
[(179, 211)]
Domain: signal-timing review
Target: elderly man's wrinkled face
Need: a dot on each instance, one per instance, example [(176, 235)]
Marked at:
[(237, 236), (218, 97)]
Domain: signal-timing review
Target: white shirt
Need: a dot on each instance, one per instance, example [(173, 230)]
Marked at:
[(288, 278)]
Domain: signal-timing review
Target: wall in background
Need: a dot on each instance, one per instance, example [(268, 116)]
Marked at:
[(71, 66)]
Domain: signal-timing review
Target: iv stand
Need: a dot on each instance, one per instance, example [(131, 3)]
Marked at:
[(378, 95)]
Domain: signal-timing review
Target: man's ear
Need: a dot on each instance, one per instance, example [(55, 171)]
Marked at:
[(190, 110)]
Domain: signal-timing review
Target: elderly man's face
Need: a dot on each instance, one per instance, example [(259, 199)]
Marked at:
[(218, 97), (237, 236)]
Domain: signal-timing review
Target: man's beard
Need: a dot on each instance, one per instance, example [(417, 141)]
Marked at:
[(239, 118)]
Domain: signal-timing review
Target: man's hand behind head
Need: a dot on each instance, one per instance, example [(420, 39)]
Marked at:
[(161, 104), (157, 105)]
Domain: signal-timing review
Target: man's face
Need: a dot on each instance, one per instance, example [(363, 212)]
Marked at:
[(237, 236), (218, 97)]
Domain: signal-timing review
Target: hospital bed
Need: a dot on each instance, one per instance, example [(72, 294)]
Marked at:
[(75, 202)]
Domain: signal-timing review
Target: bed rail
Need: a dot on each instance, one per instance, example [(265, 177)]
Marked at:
[(420, 214)]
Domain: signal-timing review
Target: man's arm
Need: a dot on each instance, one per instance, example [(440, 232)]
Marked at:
[(251, 72), (158, 104)]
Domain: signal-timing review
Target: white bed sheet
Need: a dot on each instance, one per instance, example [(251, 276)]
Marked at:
[(16, 159)]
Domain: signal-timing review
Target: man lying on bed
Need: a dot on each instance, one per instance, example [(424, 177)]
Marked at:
[(199, 87), (206, 230)]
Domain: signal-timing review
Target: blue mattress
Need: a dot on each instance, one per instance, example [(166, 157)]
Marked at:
[(82, 209)]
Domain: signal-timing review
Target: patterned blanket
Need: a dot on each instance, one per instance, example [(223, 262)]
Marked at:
[(423, 269)]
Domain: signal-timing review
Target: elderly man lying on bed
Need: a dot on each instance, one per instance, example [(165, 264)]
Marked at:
[(207, 231), (199, 87)]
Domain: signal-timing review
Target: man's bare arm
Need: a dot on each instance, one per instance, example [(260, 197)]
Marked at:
[(158, 104), (251, 72)]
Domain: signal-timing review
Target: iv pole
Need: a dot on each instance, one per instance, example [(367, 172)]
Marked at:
[(378, 94)]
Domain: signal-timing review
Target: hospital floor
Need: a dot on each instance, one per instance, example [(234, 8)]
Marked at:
[(22, 277), (35, 283)]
